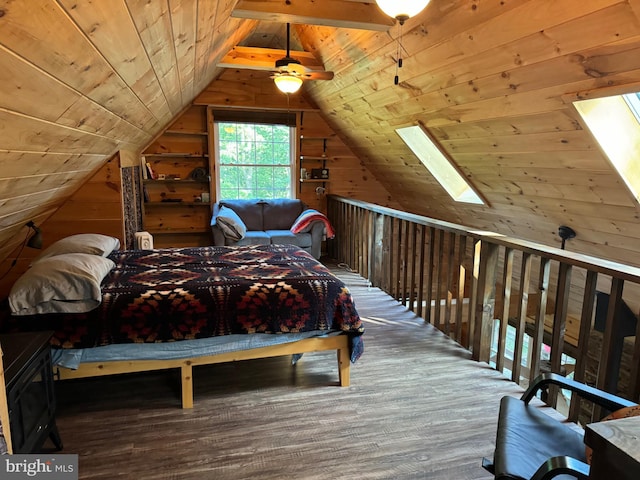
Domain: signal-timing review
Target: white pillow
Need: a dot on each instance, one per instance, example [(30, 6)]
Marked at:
[(67, 283), (231, 224), (91, 243)]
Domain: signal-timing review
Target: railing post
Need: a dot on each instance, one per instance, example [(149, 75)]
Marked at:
[(486, 288)]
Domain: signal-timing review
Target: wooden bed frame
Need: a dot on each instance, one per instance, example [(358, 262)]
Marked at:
[(314, 344)]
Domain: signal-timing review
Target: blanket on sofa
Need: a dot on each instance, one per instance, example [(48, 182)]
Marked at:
[(309, 216)]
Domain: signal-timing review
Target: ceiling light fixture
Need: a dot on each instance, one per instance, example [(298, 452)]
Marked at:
[(287, 83), (401, 10)]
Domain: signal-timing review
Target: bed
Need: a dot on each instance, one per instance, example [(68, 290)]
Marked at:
[(182, 307)]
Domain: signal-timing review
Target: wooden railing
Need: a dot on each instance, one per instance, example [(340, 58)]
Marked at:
[(522, 307)]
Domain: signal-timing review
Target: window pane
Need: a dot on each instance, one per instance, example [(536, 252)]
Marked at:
[(254, 160)]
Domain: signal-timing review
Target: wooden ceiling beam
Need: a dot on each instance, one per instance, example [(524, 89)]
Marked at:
[(255, 58), (329, 13)]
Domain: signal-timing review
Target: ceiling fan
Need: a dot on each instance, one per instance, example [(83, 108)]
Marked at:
[(289, 72)]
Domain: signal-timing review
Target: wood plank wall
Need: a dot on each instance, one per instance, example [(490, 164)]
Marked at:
[(83, 80), (494, 81), (95, 207), (247, 90)]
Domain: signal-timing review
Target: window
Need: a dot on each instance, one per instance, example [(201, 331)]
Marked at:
[(614, 123), (254, 160), (440, 166)]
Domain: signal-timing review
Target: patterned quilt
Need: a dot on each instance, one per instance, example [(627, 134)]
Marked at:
[(187, 293)]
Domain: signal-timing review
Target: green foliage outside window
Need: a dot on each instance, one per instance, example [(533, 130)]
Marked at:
[(254, 160)]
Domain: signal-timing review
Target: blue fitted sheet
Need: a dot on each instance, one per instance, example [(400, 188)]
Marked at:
[(73, 357)]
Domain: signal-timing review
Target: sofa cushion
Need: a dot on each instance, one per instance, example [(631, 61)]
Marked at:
[(280, 213), (231, 224), (250, 211), (286, 237), (254, 238)]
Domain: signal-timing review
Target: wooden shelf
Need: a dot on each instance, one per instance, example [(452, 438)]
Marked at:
[(176, 155), (314, 180), (148, 181), (185, 132), (177, 204), (309, 157)]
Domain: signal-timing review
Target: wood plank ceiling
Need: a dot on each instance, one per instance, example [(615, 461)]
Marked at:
[(492, 80)]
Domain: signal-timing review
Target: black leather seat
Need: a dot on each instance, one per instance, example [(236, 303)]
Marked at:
[(531, 445)]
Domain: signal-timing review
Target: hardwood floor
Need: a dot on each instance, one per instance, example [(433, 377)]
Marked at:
[(418, 407)]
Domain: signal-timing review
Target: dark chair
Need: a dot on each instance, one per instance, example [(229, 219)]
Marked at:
[(531, 445)]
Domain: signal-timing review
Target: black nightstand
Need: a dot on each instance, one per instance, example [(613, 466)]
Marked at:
[(30, 390)]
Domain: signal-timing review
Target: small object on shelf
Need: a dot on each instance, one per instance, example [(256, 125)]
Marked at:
[(145, 172), (205, 197), (152, 174), (161, 176), (198, 174), (319, 173), (145, 194)]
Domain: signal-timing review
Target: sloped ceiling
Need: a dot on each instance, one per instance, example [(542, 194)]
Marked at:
[(493, 80)]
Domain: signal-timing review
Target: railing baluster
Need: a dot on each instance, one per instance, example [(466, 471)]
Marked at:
[(405, 263), (388, 248), (449, 282), (559, 326), (389, 221), (439, 255), (462, 248), (525, 278), (413, 259), (606, 380), (421, 262), (429, 289), (399, 265), (541, 311), (584, 338), (507, 281), (487, 293)]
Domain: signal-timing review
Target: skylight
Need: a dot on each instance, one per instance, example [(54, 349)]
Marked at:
[(615, 124), (440, 166)]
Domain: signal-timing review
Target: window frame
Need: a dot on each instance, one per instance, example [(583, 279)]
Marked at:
[(621, 156), (440, 165), (256, 118)]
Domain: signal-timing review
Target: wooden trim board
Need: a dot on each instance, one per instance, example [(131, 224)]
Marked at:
[(340, 343)]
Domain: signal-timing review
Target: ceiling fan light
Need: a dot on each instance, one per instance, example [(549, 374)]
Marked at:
[(288, 83), (402, 9)]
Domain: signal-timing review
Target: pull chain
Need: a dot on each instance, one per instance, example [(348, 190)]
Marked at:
[(396, 79)]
